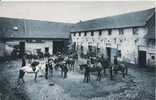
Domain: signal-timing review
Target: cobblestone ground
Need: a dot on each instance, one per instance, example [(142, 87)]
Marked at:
[(138, 85)]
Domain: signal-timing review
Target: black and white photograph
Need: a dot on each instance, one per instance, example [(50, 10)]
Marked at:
[(77, 50)]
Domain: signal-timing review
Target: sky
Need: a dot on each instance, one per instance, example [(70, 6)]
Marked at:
[(68, 11)]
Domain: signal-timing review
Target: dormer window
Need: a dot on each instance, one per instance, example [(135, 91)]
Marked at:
[(109, 32), (100, 33), (121, 32), (74, 34), (85, 33), (135, 31), (92, 33), (79, 33)]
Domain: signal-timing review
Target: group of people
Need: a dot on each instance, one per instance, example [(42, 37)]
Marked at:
[(51, 63), (92, 67), (64, 63), (98, 65)]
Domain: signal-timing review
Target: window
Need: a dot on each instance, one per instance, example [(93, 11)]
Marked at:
[(119, 53), (90, 48), (115, 40), (74, 34), (151, 42), (109, 32), (120, 40), (121, 32), (153, 57), (92, 33), (79, 33), (100, 33), (135, 31), (98, 50), (81, 48), (85, 33)]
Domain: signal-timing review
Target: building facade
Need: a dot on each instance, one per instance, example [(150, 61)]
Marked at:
[(129, 36), (33, 35), (123, 35)]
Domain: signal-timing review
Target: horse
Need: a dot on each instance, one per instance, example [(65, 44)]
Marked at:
[(105, 64), (51, 65), (70, 62), (64, 69), (88, 69), (119, 67), (34, 68)]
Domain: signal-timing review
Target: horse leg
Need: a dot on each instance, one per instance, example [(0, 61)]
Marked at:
[(111, 73), (87, 78), (100, 76), (126, 71), (52, 72), (23, 81), (104, 70), (35, 76), (97, 78), (46, 75), (62, 73), (115, 71), (123, 73), (84, 78), (73, 67)]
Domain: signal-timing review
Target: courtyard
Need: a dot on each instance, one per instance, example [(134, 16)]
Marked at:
[(138, 85)]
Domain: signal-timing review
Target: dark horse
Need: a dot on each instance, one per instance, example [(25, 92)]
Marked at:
[(70, 62), (105, 64), (64, 69), (57, 61), (88, 70), (120, 67)]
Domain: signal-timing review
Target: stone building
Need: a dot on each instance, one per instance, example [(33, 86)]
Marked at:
[(129, 36), (33, 35)]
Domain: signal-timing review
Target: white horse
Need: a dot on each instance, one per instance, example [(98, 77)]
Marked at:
[(40, 68)]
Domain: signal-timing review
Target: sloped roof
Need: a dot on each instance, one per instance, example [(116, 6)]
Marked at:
[(151, 27), (34, 29), (133, 19)]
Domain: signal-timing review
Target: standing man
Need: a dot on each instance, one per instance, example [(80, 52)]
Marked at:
[(87, 71), (23, 61), (65, 70), (21, 72), (115, 60), (46, 71)]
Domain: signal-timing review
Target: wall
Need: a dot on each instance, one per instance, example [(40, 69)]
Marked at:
[(2, 49), (150, 53), (33, 46), (126, 42), (28, 46)]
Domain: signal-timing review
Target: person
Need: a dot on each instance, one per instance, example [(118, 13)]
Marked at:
[(115, 60), (99, 66), (21, 76), (46, 70), (65, 70), (50, 63), (87, 72), (23, 61), (21, 72)]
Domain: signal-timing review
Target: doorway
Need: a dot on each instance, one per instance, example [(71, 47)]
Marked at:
[(108, 51), (142, 58), (21, 48), (58, 46)]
